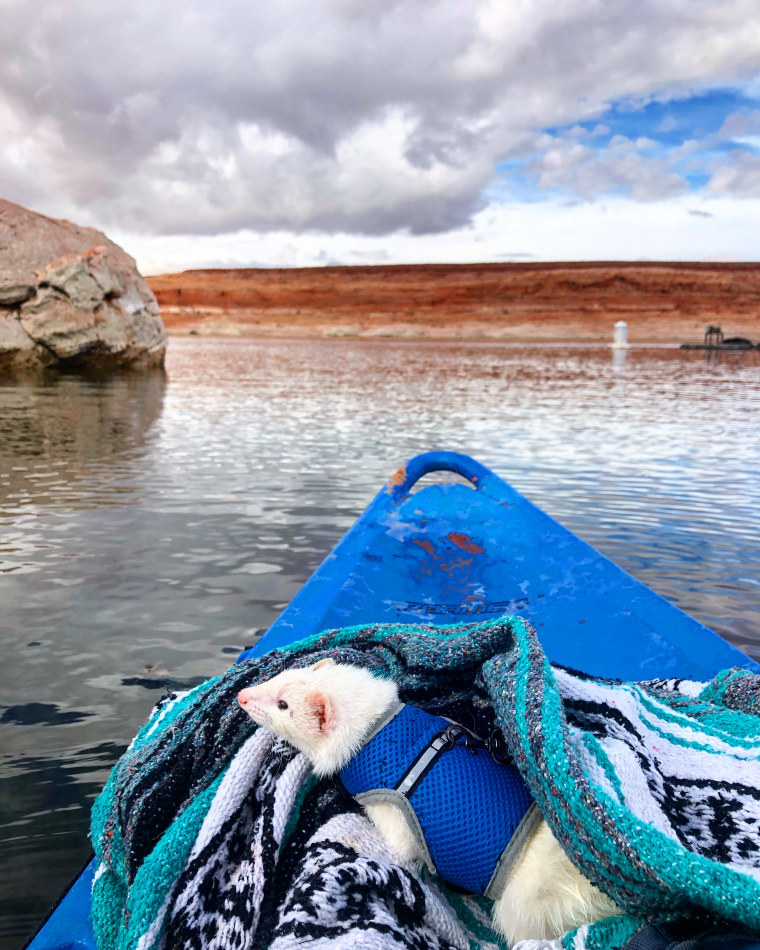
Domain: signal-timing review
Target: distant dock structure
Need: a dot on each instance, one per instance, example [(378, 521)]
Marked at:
[(715, 340)]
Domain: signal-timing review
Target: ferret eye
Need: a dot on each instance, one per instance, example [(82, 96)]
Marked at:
[(282, 704)]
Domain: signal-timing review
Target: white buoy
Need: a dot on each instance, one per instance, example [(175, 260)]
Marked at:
[(620, 341)]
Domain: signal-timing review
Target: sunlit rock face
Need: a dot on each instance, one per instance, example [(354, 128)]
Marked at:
[(70, 298)]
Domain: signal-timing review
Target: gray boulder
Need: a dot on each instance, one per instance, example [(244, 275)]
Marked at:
[(69, 297)]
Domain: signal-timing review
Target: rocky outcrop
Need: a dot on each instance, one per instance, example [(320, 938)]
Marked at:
[(69, 297)]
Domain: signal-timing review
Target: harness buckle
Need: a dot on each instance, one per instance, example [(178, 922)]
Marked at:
[(451, 735), (455, 732)]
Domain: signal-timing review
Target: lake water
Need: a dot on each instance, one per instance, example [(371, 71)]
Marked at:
[(151, 525)]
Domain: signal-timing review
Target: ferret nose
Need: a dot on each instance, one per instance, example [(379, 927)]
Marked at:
[(243, 697)]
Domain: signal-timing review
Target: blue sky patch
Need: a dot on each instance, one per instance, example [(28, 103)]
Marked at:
[(643, 149), (672, 122)]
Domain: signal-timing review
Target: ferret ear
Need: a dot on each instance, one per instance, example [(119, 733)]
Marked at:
[(321, 709), (328, 661)]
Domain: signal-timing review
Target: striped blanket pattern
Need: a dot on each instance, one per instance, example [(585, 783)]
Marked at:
[(212, 833)]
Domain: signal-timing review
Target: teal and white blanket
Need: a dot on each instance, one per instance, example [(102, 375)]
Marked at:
[(213, 834)]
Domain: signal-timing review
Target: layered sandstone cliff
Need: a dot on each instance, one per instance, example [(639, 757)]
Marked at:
[(576, 301)]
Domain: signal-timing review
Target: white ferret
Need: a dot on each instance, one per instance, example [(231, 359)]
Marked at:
[(327, 710)]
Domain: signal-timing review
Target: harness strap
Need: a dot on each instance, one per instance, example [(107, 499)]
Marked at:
[(509, 855), (444, 740)]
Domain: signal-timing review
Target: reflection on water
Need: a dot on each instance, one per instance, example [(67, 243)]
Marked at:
[(148, 529), (59, 432)]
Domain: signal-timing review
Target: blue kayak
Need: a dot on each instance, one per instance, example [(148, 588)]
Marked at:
[(451, 552)]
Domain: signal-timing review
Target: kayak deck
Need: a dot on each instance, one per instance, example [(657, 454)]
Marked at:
[(451, 552)]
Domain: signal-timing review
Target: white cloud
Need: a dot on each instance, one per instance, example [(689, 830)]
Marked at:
[(719, 228), (370, 117), (739, 176), (621, 167)]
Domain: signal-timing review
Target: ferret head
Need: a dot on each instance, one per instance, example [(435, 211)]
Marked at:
[(324, 710)]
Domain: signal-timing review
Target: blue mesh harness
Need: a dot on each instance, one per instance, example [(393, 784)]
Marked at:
[(470, 813)]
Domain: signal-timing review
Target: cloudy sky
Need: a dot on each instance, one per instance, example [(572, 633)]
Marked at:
[(300, 132)]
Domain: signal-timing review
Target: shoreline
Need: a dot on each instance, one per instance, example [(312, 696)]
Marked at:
[(564, 344), (232, 331)]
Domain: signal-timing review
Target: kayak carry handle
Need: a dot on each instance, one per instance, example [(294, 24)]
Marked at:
[(408, 475)]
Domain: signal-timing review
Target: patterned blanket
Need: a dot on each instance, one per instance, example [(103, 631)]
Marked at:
[(212, 834)]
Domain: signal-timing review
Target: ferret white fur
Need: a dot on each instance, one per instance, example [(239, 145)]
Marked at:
[(326, 711)]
